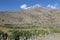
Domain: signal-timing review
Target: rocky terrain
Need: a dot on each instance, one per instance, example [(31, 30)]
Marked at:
[(38, 16)]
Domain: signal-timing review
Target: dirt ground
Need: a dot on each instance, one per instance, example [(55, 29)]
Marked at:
[(55, 36)]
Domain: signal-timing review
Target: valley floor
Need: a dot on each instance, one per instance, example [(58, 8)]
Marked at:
[(54, 35)]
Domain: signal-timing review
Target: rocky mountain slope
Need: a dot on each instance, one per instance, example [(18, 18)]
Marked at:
[(39, 16)]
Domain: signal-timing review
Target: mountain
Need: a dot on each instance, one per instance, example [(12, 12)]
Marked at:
[(37, 15)]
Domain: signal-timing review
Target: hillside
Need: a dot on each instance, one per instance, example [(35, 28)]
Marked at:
[(38, 16)]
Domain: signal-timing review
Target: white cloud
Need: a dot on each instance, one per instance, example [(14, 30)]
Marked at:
[(52, 6), (24, 6)]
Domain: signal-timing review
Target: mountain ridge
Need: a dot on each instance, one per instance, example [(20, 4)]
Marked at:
[(33, 16)]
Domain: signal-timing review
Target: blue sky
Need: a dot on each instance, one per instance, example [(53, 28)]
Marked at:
[(6, 5)]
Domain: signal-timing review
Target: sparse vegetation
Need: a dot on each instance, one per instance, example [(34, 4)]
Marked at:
[(16, 32)]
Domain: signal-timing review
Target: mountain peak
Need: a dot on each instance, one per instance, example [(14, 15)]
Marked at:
[(37, 5)]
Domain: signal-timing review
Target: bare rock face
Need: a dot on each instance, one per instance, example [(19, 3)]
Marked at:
[(33, 16)]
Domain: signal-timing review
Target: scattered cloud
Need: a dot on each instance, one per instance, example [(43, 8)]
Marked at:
[(24, 6), (52, 6)]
